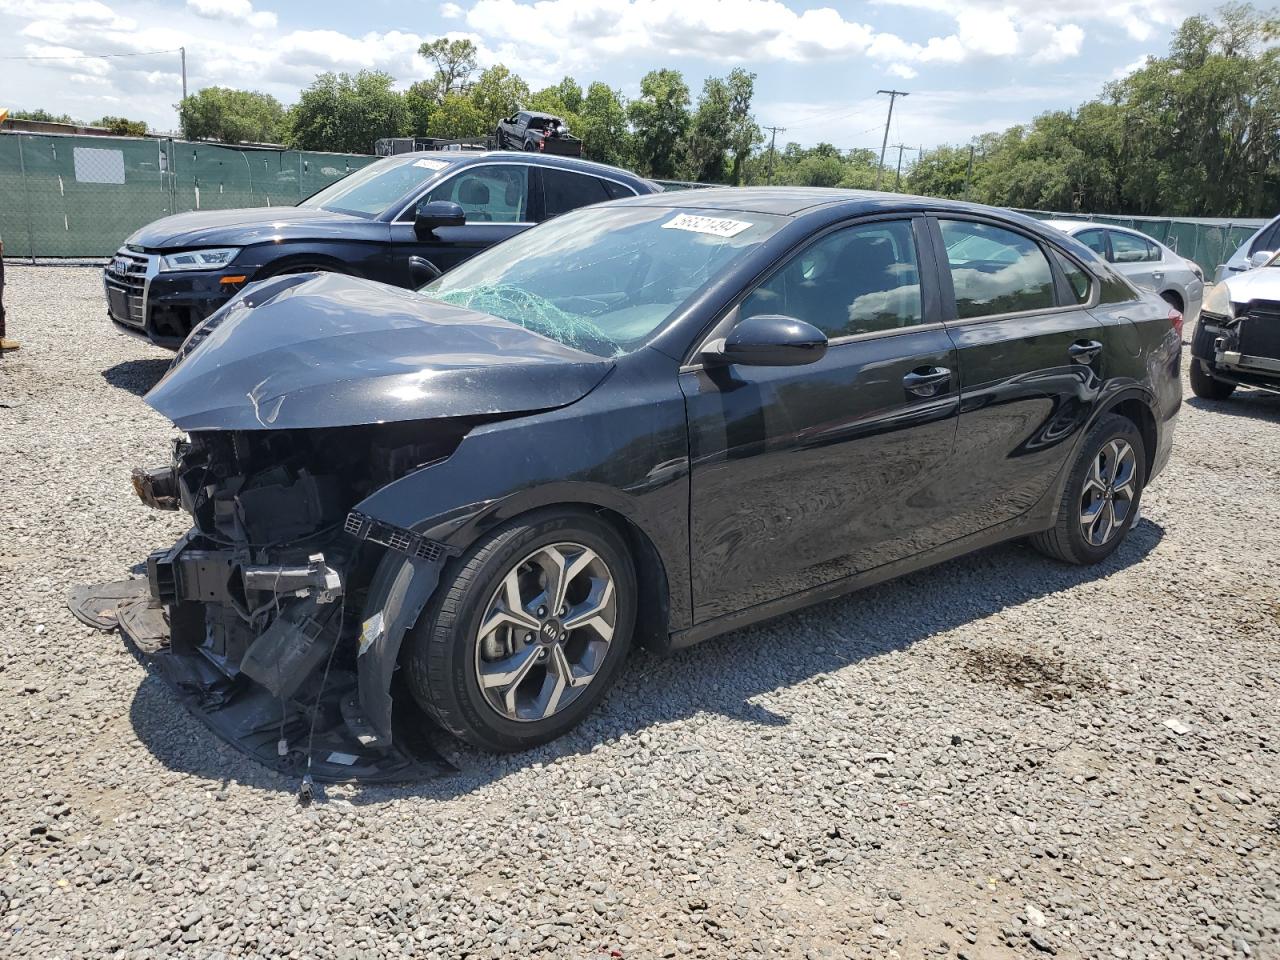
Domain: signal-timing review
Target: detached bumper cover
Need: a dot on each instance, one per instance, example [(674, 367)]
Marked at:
[(258, 687)]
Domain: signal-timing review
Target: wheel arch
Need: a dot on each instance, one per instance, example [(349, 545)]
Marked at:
[(653, 573), (291, 261), (1136, 406)]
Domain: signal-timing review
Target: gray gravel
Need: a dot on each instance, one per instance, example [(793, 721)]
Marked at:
[(1000, 757)]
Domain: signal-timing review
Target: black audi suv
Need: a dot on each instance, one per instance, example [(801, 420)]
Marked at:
[(402, 220), (649, 421)]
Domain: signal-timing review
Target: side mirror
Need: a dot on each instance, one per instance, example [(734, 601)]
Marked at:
[(1261, 258), (770, 341), (436, 213), (423, 271)]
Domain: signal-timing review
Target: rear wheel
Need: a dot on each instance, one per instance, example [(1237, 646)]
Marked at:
[(1206, 385), (528, 631), (529, 146), (1102, 496)]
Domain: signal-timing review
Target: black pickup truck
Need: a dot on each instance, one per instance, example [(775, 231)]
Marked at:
[(537, 132)]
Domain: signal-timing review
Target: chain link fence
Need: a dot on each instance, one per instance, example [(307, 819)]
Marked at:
[(70, 196), (77, 196)]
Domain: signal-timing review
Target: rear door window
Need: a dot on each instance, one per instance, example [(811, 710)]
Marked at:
[(1126, 248), (564, 191), (493, 193), (616, 191), (1268, 239), (995, 271), (1077, 278)]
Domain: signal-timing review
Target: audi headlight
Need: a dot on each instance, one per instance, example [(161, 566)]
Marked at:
[(1218, 301), (199, 259)]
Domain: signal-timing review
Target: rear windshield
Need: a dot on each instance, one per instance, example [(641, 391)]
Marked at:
[(604, 279), (371, 190)]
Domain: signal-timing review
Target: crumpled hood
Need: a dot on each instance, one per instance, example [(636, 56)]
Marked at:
[(324, 350), (239, 227), (1261, 283)]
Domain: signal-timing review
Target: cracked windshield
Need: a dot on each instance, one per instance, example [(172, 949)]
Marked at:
[(603, 280)]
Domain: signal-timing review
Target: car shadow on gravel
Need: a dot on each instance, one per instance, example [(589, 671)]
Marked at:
[(137, 376), (723, 675), (1257, 404)]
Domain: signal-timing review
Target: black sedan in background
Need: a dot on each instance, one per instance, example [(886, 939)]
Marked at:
[(403, 220), (648, 421)]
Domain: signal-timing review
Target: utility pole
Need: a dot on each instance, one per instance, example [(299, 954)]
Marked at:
[(884, 144), (183, 51), (773, 136), (897, 180)]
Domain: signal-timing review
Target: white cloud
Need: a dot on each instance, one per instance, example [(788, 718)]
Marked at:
[(237, 11), (451, 11), (903, 71)]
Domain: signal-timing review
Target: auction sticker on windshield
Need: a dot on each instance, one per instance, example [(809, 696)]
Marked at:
[(715, 226), (429, 164)]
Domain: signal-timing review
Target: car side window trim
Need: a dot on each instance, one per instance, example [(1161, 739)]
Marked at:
[(930, 304), (1061, 287), (406, 212)]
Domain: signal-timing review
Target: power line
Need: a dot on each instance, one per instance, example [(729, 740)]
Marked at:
[(893, 95), (94, 56)]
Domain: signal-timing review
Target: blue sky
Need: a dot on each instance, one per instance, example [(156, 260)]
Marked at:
[(969, 65)]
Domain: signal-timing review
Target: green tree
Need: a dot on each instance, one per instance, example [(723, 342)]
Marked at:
[(457, 118), (345, 113), (231, 116), (744, 133), (123, 126), (496, 94), (41, 116), (455, 63), (703, 146), (603, 126), (659, 118)]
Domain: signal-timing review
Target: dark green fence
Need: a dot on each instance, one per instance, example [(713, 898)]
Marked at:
[(68, 196)]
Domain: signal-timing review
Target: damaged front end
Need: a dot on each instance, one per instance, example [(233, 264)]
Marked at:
[(280, 600), (279, 616)]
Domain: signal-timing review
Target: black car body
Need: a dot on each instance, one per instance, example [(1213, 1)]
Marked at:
[(174, 272), (537, 133), (1237, 341), (690, 411)]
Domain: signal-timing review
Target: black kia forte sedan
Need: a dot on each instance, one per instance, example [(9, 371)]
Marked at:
[(649, 421), (403, 220)]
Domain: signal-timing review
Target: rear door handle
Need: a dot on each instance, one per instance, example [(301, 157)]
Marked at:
[(1084, 351), (927, 381)]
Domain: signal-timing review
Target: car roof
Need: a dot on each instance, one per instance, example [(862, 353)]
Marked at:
[(798, 201), (463, 157)]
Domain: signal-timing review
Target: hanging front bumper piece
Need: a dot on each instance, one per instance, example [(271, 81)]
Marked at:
[(256, 645)]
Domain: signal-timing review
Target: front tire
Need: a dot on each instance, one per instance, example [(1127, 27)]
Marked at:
[(1206, 385), (527, 630), (1102, 496)]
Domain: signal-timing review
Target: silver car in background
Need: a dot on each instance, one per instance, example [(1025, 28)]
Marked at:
[(1144, 262), (1253, 252)]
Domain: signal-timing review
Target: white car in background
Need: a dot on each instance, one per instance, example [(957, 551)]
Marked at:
[(1253, 252), (1144, 262)]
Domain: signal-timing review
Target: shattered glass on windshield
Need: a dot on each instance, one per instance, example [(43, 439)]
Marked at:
[(603, 279)]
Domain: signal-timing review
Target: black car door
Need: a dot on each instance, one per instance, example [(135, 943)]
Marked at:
[(804, 475), (496, 198), (1031, 367)]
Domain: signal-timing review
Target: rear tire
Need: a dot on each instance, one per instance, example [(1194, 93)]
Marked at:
[(1102, 496), (1205, 385), (460, 669), (529, 147)]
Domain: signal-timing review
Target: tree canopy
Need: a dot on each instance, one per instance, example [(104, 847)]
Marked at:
[(232, 116), (345, 113)]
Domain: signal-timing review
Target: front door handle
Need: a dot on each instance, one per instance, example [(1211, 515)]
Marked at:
[(1084, 351), (927, 381)]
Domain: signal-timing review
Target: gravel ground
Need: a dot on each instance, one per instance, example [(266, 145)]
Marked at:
[(999, 757)]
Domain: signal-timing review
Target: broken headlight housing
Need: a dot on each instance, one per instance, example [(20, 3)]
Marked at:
[(198, 259), (1217, 302)]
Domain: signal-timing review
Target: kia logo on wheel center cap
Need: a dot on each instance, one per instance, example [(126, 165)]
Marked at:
[(550, 629)]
